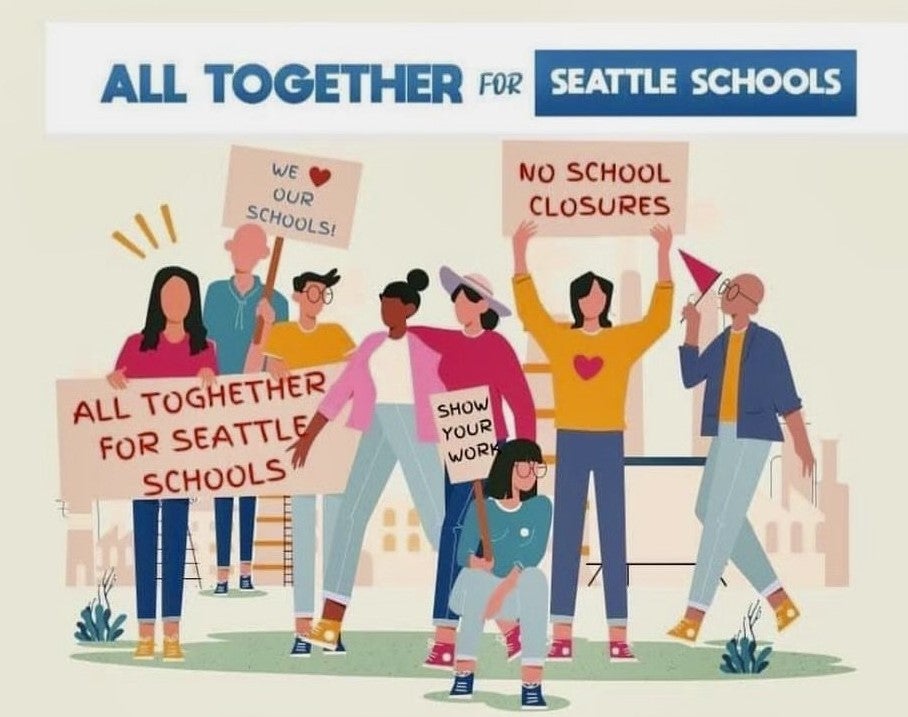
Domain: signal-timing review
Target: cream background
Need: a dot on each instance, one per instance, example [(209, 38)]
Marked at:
[(822, 219)]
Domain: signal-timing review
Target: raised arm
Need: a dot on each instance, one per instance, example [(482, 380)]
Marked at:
[(639, 336), (695, 367)]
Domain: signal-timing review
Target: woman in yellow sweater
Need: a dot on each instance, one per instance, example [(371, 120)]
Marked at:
[(590, 362)]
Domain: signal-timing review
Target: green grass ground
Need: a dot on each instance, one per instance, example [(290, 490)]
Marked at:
[(400, 654)]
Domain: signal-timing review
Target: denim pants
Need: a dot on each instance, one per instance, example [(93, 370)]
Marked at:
[(174, 514), (525, 603), (730, 478), (457, 500), (304, 547), (391, 438), (223, 528), (578, 453)]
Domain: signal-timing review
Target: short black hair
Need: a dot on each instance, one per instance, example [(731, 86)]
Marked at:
[(329, 279), (489, 319), (581, 287), (407, 291), (498, 484)]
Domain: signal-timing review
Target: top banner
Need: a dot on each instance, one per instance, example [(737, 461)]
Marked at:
[(357, 78)]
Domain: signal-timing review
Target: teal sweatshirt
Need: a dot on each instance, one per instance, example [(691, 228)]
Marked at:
[(519, 536)]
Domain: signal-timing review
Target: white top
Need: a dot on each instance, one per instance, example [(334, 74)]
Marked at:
[(390, 369)]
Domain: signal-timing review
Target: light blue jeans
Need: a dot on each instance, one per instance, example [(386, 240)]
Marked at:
[(390, 439), (304, 547), (730, 478), (527, 603)]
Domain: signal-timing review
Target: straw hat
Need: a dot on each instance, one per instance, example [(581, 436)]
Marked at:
[(450, 280)]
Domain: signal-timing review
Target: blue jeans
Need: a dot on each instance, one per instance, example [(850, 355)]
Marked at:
[(457, 500), (223, 528), (174, 513), (730, 478), (525, 603), (391, 438), (304, 547), (578, 453)]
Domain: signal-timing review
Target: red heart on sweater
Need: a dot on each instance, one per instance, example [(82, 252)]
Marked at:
[(587, 366), (319, 176)]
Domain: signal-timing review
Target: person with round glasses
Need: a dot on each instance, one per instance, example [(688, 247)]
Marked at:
[(291, 345)]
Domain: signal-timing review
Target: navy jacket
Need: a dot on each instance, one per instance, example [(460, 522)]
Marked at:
[(766, 388)]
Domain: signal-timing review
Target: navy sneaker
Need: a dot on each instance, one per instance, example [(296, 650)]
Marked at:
[(220, 588), (300, 648), (463, 686), (246, 582), (531, 697), (340, 650)]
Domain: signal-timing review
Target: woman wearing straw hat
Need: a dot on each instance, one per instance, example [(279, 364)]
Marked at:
[(473, 355)]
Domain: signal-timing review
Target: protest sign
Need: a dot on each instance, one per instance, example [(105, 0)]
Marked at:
[(292, 195), (594, 188), (466, 432), (173, 438)]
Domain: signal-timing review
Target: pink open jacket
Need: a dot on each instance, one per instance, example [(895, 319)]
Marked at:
[(355, 383)]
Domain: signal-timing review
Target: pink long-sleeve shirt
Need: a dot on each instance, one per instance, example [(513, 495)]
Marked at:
[(356, 384), (486, 359)]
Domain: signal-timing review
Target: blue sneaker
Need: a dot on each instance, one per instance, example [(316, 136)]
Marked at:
[(463, 686), (531, 697), (300, 648), (246, 582), (220, 589), (340, 650)]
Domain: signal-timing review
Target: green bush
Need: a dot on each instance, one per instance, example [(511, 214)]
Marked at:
[(741, 656), (96, 625)]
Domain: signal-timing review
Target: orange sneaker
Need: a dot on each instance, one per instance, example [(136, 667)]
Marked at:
[(172, 650), (324, 633), (686, 630), (786, 614), (144, 650)]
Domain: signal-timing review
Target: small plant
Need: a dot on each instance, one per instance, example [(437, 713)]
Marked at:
[(741, 656), (95, 625)]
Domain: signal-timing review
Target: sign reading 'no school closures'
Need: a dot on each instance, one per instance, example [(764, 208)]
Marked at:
[(292, 195), (586, 189), (173, 438), (466, 432)]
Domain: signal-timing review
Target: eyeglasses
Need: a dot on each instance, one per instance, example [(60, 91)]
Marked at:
[(732, 290), (314, 293), (526, 468)]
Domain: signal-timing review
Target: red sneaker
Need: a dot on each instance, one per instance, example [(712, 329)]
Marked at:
[(561, 651), (511, 640), (620, 652), (441, 656)]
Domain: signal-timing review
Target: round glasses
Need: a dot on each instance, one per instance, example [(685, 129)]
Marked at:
[(314, 293), (732, 290), (525, 469)]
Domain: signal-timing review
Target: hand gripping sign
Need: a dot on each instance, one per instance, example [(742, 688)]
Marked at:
[(466, 434), (172, 438)]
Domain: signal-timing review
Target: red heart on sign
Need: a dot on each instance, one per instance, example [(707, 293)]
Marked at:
[(587, 366), (319, 176)]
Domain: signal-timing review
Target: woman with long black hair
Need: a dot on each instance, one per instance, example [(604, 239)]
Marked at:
[(172, 344)]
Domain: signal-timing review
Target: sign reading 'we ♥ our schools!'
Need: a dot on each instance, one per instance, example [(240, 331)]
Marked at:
[(292, 195)]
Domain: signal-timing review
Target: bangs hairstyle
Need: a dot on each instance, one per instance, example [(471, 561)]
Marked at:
[(329, 279), (498, 484), (581, 287), (489, 319)]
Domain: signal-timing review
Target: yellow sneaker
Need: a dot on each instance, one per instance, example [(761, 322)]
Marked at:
[(172, 650), (144, 650), (325, 633), (786, 614), (686, 630)]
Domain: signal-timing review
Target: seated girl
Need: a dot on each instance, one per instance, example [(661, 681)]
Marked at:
[(507, 584)]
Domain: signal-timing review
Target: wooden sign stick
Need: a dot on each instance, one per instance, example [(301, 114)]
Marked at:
[(269, 285), (483, 520)]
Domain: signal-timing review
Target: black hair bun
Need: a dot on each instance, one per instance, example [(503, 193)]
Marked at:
[(418, 279)]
